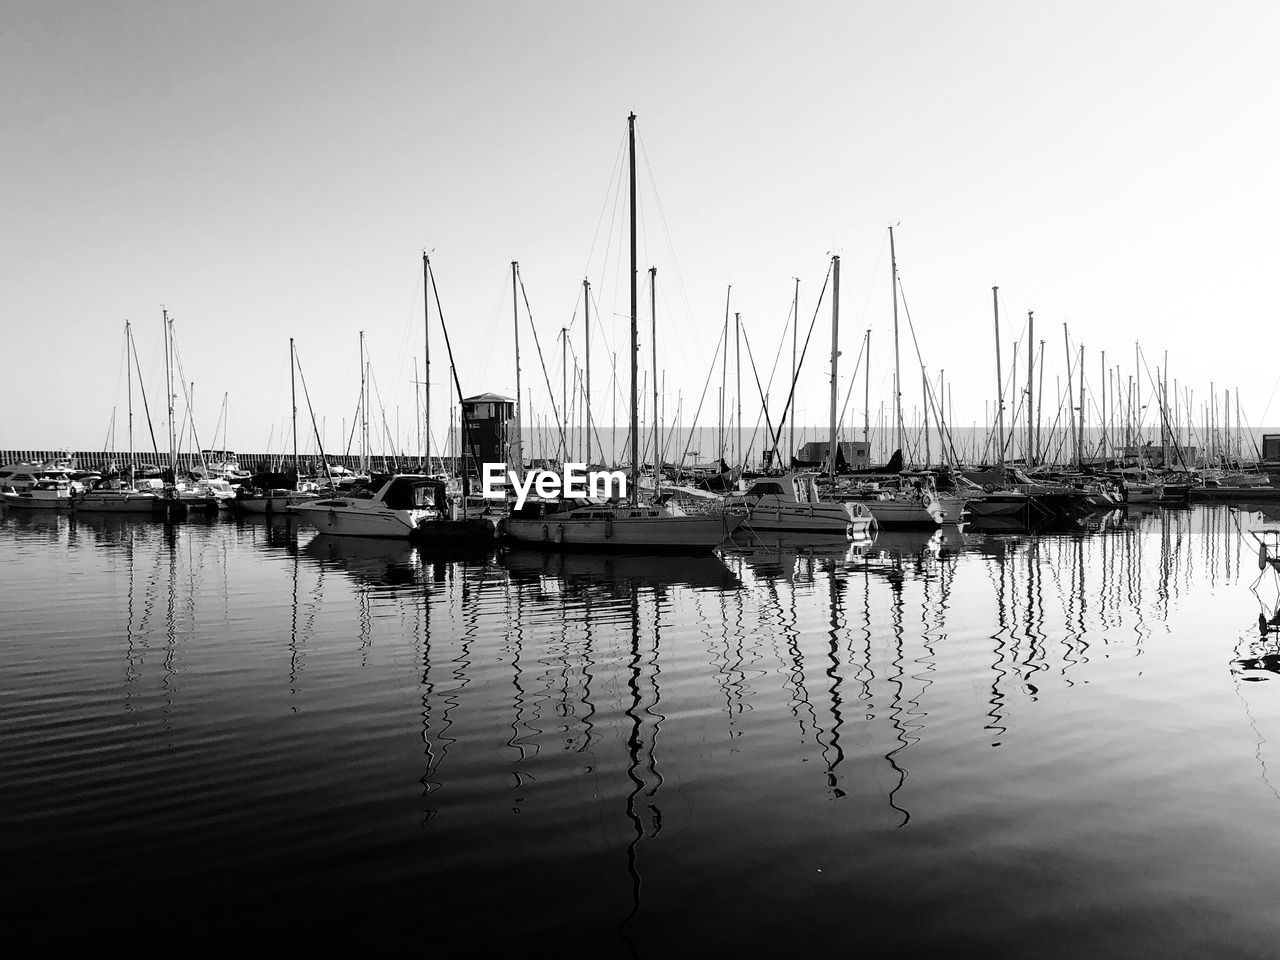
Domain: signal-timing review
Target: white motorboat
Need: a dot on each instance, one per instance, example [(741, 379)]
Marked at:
[(44, 494), (395, 510)]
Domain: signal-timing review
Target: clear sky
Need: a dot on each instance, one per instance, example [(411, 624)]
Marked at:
[(273, 169)]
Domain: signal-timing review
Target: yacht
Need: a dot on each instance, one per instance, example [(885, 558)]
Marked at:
[(395, 510), (46, 493)]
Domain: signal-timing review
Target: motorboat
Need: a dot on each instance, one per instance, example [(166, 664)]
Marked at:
[(47, 493), (394, 510)]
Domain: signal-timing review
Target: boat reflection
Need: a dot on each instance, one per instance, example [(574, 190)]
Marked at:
[(773, 555), (698, 572)]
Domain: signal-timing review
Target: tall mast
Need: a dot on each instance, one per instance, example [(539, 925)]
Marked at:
[(168, 381), (1071, 404), (426, 369), (866, 399), (795, 329), (517, 447), (995, 306), (1083, 411), (293, 404), (835, 356), (635, 333), (586, 400), (653, 335), (924, 387), (1031, 397), (564, 392), (1105, 383), (128, 361), (897, 379), (364, 411), (737, 350)]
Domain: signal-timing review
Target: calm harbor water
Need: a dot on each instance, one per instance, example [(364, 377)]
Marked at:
[(1029, 746)]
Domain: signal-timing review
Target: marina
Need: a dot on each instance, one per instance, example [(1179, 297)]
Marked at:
[(652, 755), (676, 480)]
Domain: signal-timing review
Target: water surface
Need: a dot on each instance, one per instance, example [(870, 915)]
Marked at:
[(1022, 745)]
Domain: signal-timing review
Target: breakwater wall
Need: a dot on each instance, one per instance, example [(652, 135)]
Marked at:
[(255, 462)]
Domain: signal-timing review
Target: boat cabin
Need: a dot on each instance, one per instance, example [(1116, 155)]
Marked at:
[(794, 488), (415, 493)]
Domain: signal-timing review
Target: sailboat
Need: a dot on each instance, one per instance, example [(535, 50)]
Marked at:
[(615, 527)]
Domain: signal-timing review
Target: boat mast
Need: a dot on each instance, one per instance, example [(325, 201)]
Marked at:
[(128, 365), (995, 306), (586, 401), (835, 356), (866, 400), (426, 369), (1083, 412), (293, 404), (635, 411), (517, 447), (737, 339), (364, 411), (897, 377), (1071, 405), (924, 387), (795, 328), (168, 381), (1031, 395), (653, 317)]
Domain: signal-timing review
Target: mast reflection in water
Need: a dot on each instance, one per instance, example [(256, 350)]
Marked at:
[(982, 741)]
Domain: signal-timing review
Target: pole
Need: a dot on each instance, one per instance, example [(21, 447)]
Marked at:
[(518, 449), (737, 338), (426, 369), (586, 299), (995, 304), (795, 327), (835, 356), (128, 361), (635, 411), (293, 407), (653, 335), (1031, 394), (897, 379)]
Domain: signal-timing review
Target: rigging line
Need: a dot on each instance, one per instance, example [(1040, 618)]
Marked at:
[(612, 358), (143, 390), (554, 410), (800, 363), (675, 262), (182, 374), (462, 415), (310, 410), (615, 175), (944, 430), (764, 406), (1164, 419), (693, 425), (852, 380)]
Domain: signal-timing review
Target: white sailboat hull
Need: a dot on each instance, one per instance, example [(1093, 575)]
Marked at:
[(118, 502), (904, 513)]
